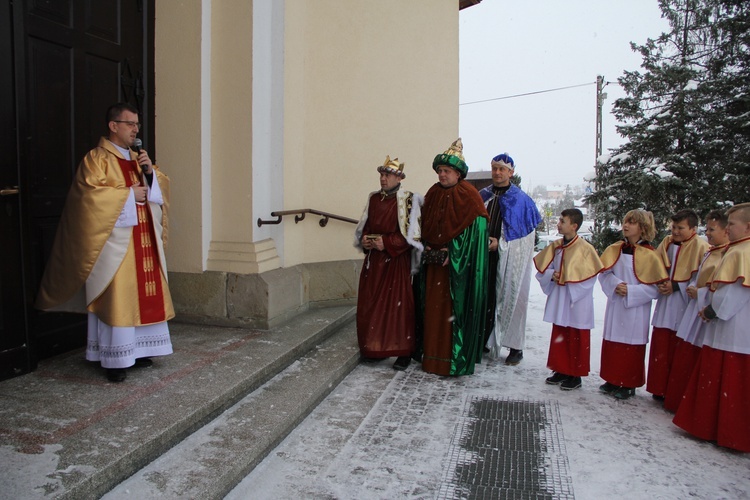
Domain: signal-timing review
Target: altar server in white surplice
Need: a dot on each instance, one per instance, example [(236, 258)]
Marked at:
[(567, 272)]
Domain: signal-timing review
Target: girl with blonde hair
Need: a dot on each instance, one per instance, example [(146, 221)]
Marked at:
[(632, 270)]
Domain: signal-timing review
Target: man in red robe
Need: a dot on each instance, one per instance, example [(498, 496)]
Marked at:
[(388, 232), (108, 256), (453, 279)]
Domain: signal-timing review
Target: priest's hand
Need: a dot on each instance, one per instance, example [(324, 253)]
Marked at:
[(556, 276), (377, 243), (145, 162), (692, 292), (140, 192), (622, 290)]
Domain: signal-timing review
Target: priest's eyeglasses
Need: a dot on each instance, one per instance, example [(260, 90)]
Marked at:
[(129, 123)]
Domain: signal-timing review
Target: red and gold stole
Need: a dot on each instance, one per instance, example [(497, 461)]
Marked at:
[(148, 269)]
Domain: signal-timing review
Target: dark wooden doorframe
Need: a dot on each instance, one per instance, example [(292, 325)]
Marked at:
[(15, 355), (63, 63)]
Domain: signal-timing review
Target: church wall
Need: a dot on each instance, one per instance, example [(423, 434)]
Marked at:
[(231, 124), (363, 79), (182, 57), (270, 105)]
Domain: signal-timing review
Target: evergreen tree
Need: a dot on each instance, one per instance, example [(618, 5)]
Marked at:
[(686, 117), (567, 201)]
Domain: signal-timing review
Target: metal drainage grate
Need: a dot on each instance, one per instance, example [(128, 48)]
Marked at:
[(507, 449)]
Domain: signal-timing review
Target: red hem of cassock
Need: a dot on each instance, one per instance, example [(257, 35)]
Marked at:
[(716, 406), (438, 326), (569, 351), (685, 359), (660, 357), (623, 364)]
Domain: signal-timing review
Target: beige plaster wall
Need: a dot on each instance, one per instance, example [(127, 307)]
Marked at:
[(363, 79), (231, 117), (180, 131)]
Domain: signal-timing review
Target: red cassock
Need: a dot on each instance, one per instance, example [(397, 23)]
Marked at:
[(716, 403), (385, 306), (661, 357), (717, 399), (569, 351), (623, 364), (685, 359)]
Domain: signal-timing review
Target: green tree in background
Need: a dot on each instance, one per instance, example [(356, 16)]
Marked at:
[(686, 117)]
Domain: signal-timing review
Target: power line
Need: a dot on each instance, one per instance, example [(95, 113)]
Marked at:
[(529, 93)]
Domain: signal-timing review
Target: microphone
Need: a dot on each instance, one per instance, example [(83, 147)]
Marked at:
[(137, 145)]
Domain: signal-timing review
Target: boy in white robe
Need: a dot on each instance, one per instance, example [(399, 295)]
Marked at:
[(691, 330), (716, 405), (681, 251), (566, 271)]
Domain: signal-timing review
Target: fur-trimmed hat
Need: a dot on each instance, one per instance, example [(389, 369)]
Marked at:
[(505, 160)]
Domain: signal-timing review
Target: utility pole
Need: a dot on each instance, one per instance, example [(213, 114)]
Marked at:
[(600, 96)]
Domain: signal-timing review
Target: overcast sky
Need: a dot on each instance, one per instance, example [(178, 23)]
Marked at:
[(510, 47)]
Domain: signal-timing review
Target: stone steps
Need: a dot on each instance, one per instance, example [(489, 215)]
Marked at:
[(211, 461), (67, 432)]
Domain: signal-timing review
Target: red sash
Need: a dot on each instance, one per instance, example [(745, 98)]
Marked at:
[(148, 269)]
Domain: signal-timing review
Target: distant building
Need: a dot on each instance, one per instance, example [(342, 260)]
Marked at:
[(480, 179), (556, 192)]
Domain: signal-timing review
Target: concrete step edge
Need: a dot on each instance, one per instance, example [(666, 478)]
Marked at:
[(112, 474), (209, 463)]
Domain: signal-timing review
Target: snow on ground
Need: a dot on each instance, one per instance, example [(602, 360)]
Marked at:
[(383, 434)]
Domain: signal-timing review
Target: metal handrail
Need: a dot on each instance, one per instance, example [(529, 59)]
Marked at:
[(299, 215)]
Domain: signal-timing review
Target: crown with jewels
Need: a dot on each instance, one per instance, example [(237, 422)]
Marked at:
[(392, 167)]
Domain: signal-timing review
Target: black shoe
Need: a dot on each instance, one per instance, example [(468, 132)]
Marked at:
[(485, 349), (624, 393), (514, 357), (143, 362), (608, 388), (571, 383), (365, 359), (557, 378), (658, 397), (402, 363), (116, 374)]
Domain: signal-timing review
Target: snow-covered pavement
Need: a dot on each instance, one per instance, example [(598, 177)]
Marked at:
[(383, 434)]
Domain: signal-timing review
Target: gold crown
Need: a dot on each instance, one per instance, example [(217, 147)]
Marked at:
[(392, 167)]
